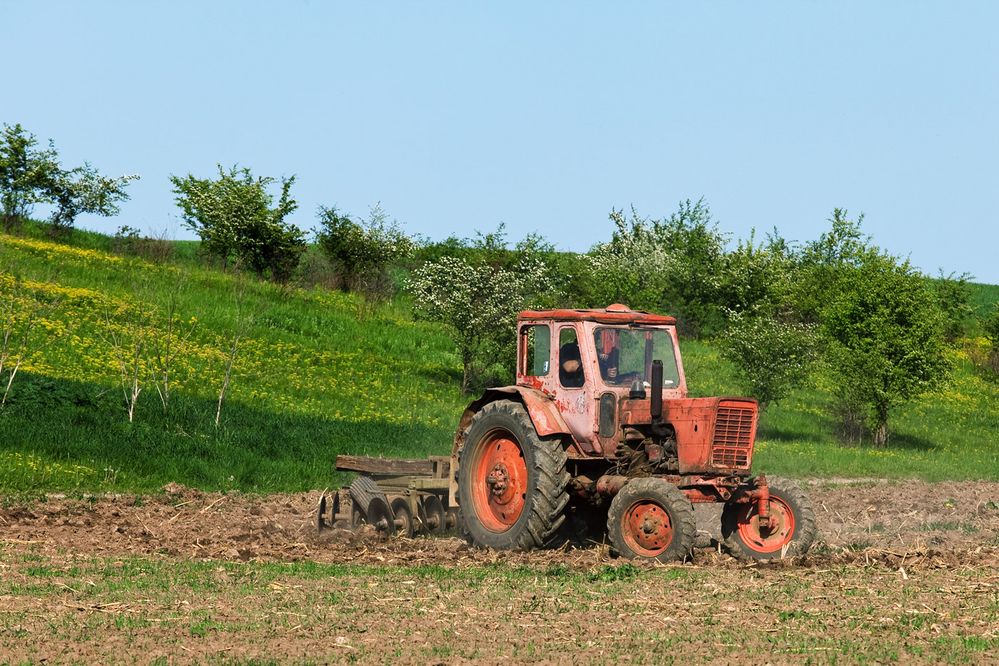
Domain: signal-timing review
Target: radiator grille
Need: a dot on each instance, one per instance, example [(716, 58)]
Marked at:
[(733, 438)]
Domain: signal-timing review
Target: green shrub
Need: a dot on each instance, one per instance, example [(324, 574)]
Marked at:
[(885, 343), (24, 170), (772, 356), (479, 303), (234, 217), (362, 252), (674, 265), (953, 296), (991, 329)]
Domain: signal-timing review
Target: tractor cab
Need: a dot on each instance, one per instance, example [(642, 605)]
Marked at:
[(591, 362), (616, 379)]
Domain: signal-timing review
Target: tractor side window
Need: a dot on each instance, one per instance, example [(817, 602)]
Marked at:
[(537, 343), (570, 363)]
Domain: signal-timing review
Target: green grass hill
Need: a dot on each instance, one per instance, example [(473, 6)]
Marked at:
[(317, 373)]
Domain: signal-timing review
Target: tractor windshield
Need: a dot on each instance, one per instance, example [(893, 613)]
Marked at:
[(626, 354)]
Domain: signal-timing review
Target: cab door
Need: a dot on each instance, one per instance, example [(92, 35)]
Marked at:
[(574, 386)]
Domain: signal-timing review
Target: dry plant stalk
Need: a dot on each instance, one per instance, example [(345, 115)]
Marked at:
[(165, 349), (240, 327), (233, 348), (128, 352)]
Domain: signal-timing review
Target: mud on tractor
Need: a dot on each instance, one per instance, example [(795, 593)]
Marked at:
[(597, 433)]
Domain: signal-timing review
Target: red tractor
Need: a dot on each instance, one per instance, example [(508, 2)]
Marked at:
[(600, 413), (598, 424)]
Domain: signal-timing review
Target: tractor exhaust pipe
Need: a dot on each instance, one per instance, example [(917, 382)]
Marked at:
[(656, 404)]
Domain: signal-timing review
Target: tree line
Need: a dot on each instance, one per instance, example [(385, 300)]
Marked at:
[(838, 307)]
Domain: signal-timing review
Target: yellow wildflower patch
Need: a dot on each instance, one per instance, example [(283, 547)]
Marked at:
[(57, 251)]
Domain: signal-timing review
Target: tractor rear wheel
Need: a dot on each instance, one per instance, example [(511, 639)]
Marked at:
[(790, 533), (651, 519), (511, 482)]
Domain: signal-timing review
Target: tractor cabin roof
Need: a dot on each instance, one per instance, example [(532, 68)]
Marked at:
[(612, 314)]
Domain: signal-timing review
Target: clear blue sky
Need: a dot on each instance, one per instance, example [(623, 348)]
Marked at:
[(460, 116)]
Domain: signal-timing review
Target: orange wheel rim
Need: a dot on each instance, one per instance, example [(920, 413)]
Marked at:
[(764, 538), (648, 530), (499, 481)]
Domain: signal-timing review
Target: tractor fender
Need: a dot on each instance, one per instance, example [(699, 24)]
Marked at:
[(544, 414)]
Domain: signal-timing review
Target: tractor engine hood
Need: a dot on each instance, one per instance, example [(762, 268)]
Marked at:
[(713, 434)]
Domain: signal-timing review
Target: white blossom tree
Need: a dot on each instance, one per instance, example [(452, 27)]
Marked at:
[(84, 190), (479, 303)]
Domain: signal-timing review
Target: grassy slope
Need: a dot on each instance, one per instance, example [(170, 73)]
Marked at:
[(317, 374), (321, 373)]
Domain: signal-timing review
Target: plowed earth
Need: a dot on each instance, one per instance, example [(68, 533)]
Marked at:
[(905, 572)]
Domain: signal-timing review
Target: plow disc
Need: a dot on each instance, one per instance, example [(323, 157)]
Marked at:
[(391, 508)]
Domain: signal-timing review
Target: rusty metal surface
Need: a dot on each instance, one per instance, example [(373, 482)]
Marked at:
[(578, 406), (545, 415), (647, 528), (613, 314), (699, 448), (610, 484), (370, 465)]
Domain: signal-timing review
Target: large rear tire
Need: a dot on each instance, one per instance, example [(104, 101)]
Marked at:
[(791, 535), (511, 482), (651, 519)]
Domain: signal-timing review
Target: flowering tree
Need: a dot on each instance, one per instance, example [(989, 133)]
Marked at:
[(479, 303), (84, 190), (674, 264), (362, 251), (772, 355)]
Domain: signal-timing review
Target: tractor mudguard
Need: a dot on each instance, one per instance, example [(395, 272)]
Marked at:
[(544, 414)]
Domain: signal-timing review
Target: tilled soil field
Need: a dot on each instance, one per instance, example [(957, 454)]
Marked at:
[(905, 572)]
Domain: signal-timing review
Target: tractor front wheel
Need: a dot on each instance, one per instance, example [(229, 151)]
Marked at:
[(651, 519), (511, 482), (788, 532)]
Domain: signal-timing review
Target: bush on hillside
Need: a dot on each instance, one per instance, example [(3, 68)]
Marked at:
[(29, 175), (674, 265), (479, 302), (129, 241), (24, 171), (885, 346), (758, 276), (953, 295), (991, 329), (362, 252), (772, 355), (238, 223), (83, 190), (821, 265), (879, 322)]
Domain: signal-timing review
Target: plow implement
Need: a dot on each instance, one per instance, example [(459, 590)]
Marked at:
[(395, 496)]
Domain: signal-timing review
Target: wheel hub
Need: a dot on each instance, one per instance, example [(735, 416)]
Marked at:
[(648, 528), (770, 534), (499, 488), (498, 479)]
